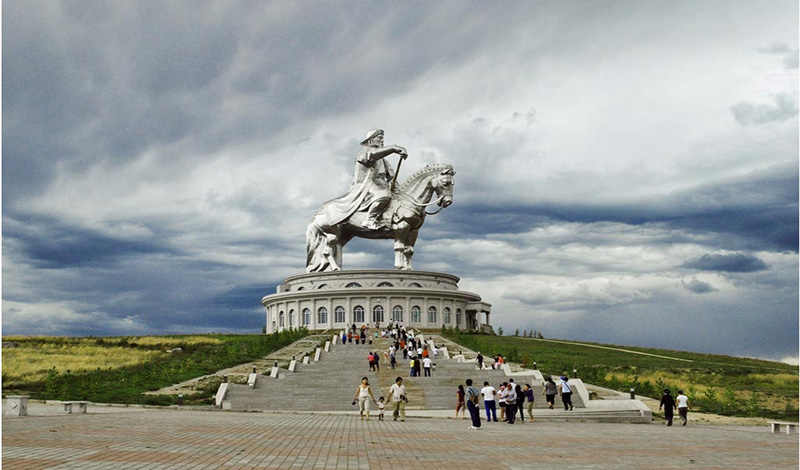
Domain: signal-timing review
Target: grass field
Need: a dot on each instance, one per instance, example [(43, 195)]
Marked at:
[(714, 383), (120, 369)]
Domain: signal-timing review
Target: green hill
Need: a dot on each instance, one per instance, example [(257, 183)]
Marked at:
[(714, 383), (121, 369)]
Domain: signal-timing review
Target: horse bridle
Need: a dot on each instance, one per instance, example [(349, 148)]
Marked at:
[(412, 201)]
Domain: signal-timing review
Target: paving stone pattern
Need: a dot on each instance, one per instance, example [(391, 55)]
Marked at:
[(182, 439)]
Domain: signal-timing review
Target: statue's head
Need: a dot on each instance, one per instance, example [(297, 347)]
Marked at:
[(374, 138)]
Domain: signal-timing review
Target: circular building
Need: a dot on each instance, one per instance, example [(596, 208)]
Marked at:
[(337, 299)]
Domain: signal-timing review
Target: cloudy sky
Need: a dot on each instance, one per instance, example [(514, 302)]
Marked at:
[(627, 172)]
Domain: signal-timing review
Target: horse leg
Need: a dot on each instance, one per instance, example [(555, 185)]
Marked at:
[(400, 236), (334, 252), (409, 251)]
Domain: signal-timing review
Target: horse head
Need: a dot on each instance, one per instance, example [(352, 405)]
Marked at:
[(443, 185)]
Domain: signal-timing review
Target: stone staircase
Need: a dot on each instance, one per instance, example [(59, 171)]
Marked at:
[(330, 383)]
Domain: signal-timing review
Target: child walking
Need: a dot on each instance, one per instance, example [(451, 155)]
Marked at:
[(381, 406)]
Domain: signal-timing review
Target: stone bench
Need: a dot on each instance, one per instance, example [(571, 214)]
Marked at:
[(79, 405), (775, 426)]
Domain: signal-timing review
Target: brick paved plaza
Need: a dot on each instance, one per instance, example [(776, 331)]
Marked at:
[(131, 438)]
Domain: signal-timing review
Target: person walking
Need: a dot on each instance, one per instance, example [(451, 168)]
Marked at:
[(550, 390), (488, 393), (399, 399), (528, 393), (501, 401), (520, 402), (426, 365), (668, 402), (473, 398), (371, 360), (362, 396), (511, 404), (479, 358), (566, 394), (683, 407), (460, 401)]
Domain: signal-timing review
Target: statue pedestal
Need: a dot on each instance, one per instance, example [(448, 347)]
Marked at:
[(337, 299)]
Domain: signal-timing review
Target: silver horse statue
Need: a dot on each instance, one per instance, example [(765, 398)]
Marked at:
[(403, 218)]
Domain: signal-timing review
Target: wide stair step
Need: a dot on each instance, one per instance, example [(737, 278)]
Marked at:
[(329, 385)]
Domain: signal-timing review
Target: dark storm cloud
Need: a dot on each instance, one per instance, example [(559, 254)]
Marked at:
[(756, 212), (698, 287), (765, 327), (100, 81), (54, 244), (242, 297), (732, 263)]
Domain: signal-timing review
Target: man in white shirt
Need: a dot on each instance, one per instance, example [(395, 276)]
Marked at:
[(399, 399), (683, 406), (426, 365), (488, 401), (566, 394)]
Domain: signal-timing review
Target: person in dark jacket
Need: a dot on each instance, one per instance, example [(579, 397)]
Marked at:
[(668, 402)]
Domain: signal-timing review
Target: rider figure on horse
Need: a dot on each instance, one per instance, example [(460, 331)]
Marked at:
[(371, 189), (371, 163)]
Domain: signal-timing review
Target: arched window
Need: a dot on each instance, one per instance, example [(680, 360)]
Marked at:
[(300, 288), (291, 318), (321, 286), (353, 284), (322, 316), (414, 284), (447, 315), (416, 314), (458, 317), (338, 314), (377, 314), (397, 313), (281, 319), (358, 314), (306, 316), (432, 315), (385, 284)]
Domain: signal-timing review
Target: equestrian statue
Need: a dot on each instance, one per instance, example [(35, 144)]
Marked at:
[(377, 208)]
